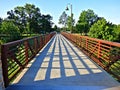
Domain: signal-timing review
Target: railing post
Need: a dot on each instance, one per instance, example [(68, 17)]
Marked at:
[(69, 36), (41, 40), (99, 49), (47, 38), (80, 43), (4, 64), (50, 36), (26, 51), (76, 39), (86, 43), (35, 42), (2, 87)]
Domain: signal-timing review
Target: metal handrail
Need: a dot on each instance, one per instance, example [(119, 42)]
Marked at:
[(16, 55), (105, 53)]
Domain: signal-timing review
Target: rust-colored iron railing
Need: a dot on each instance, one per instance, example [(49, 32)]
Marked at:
[(105, 53), (16, 55)]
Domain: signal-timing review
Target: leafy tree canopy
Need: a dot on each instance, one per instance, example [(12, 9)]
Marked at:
[(8, 28), (70, 23), (63, 19), (86, 19), (102, 30), (29, 19)]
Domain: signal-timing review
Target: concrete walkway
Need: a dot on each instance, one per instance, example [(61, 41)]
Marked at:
[(61, 66)]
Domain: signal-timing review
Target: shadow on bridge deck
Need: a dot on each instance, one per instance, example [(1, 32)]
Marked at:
[(60, 66)]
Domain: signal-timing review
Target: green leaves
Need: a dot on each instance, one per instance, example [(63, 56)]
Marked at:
[(63, 19), (9, 29), (67, 21), (70, 23), (102, 30), (97, 27), (24, 20), (46, 23), (86, 19), (29, 19)]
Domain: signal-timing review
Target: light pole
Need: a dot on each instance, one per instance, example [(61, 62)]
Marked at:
[(71, 15)]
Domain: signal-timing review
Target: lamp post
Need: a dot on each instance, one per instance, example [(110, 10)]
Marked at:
[(71, 15)]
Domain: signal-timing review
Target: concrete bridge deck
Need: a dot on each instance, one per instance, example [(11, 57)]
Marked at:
[(61, 66)]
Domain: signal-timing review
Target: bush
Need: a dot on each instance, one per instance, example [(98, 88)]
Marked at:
[(9, 31)]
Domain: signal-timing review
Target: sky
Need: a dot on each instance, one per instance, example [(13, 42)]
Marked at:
[(109, 9)]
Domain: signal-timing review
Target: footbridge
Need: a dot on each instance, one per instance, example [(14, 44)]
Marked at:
[(60, 62)]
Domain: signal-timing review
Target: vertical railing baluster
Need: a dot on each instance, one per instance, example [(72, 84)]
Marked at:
[(80, 41), (26, 51), (99, 49), (35, 43), (41, 42), (86, 43), (4, 55)]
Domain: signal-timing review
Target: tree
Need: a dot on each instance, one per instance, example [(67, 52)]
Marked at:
[(70, 23), (21, 18), (0, 22), (102, 30), (117, 33), (63, 19), (46, 23), (86, 20), (33, 17), (27, 18), (10, 30)]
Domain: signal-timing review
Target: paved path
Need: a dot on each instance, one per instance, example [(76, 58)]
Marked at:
[(61, 66)]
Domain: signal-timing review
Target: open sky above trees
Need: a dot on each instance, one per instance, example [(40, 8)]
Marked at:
[(108, 9)]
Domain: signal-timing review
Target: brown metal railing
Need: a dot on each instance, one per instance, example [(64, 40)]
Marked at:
[(16, 55), (105, 53)]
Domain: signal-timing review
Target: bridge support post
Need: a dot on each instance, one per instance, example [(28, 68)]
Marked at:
[(99, 49), (4, 64), (26, 51), (1, 77)]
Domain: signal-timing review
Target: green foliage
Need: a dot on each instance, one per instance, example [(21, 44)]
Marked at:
[(0, 22), (29, 19), (97, 27), (46, 24), (67, 21), (63, 19), (117, 33), (24, 20), (115, 61), (55, 28), (114, 52), (70, 23), (103, 30), (86, 19), (10, 30), (81, 27)]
